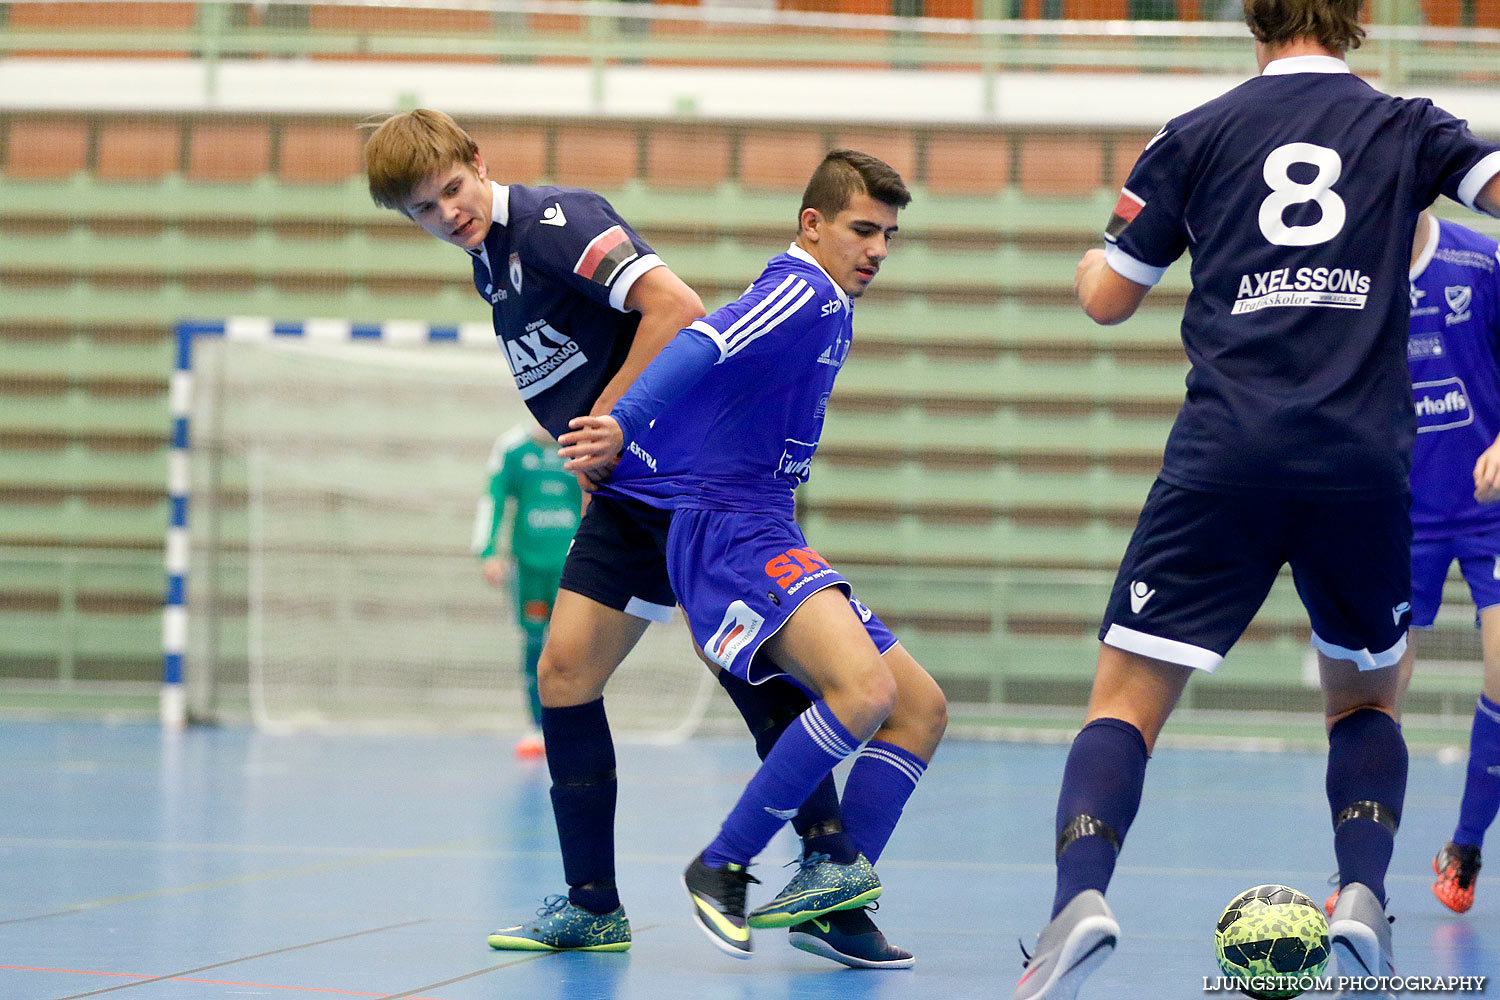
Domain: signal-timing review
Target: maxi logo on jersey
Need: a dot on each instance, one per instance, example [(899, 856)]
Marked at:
[(541, 357), (1330, 287), (1441, 405), (796, 568), (739, 627)]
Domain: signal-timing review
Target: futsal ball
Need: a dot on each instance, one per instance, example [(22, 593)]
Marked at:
[(1274, 940)]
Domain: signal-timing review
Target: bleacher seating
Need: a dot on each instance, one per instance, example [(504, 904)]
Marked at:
[(985, 436)]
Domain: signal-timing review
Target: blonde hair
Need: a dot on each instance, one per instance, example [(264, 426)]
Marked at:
[(407, 148)]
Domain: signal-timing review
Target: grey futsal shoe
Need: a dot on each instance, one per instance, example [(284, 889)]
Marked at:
[(1359, 932), (1069, 949)]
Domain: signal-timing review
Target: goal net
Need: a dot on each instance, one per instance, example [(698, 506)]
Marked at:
[(333, 474)]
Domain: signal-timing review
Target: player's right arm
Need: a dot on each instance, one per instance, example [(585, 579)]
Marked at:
[(490, 515), (592, 442), (1106, 296), (1488, 199)]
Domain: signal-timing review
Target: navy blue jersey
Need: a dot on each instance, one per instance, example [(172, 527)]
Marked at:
[(1297, 194), (1454, 354), (743, 436), (556, 267)]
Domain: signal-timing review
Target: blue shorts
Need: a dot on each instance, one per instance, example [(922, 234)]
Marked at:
[(619, 558), (1478, 558), (1200, 565), (740, 576)]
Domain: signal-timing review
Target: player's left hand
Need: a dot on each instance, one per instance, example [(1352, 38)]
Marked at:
[(1487, 475), (592, 446)]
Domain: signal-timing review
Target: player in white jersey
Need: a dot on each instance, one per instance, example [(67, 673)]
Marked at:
[(1297, 193)]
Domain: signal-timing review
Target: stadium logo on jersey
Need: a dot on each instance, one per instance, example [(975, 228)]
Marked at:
[(795, 568), (554, 216), (541, 357), (1126, 209), (1459, 297), (1441, 405), (1140, 593), (1324, 287), (515, 272), (605, 255), (832, 306), (739, 627)]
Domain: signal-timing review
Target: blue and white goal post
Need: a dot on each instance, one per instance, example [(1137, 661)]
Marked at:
[(323, 480)]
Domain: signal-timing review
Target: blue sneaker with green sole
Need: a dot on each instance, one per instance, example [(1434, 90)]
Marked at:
[(820, 886), (560, 925), (850, 938)]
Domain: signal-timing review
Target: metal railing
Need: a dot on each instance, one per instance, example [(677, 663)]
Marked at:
[(601, 34)]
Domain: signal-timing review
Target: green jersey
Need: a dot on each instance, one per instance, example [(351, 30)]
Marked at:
[(527, 483)]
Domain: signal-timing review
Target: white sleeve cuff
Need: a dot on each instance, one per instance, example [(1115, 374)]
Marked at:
[(627, 277), (1127, 266), (1477, 177)]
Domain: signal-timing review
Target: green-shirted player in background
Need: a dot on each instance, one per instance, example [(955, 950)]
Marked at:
[(543, 505)]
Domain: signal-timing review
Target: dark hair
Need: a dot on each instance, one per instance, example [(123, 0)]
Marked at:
[(1334, 24), (407, 148), (845, 173)]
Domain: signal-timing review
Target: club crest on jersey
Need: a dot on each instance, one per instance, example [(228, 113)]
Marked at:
[(739, 627), (515, 272), (1126, 209), (605, 256), (1459, 298)]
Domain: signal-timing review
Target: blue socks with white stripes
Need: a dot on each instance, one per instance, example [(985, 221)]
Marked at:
[(1482, 787), (881, 780), (1366, 782), (1101, 792), (799, 761)]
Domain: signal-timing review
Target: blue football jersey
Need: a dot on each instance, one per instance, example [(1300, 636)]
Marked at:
[(1297, 194), (1454, 353), (743, 437), (556, 267)]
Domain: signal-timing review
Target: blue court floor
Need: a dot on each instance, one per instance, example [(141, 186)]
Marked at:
[(225, 863)]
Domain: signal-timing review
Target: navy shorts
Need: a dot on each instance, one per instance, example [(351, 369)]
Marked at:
[(1200, 565), (1478, 558), (619, 558), (740, 576)]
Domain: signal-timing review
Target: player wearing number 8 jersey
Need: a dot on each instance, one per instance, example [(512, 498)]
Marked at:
[(1297, 194)]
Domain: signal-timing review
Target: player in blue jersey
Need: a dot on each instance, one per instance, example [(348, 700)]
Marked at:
[(1297, 193), (733, 409), (580, 304), (1453, 350)]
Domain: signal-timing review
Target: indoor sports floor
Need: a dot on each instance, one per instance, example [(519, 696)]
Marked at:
[(226, 863)]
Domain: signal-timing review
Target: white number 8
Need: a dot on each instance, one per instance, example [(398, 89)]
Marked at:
[(1286, 192)]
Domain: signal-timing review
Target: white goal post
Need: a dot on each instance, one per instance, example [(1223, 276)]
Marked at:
[(323, 482)]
